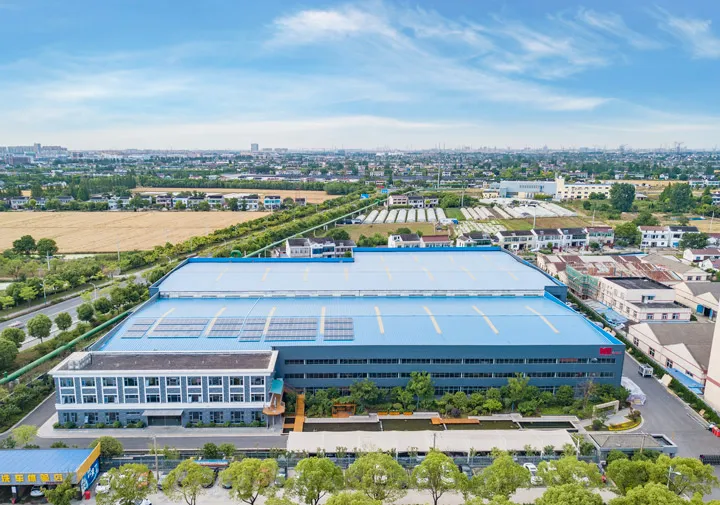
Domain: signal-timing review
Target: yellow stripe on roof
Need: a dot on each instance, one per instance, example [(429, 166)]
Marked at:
[(387, 271), (433, 320), (487, 320), (347, 273), (269, 318), (305, 275), (213, 321), (379, 320), (267, 271), (221, 274), (322, 321), (512, 274), (468, 272), (545, 320), (429, 274)]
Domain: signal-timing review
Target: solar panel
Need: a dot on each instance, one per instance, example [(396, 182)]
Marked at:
[(144, 320), (174, 334), (133, 334), (222, 334), (180, 327), (183, 320), (280, 337), (339, 329)]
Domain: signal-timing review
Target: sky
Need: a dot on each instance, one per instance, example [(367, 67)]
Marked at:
[(178, 74)]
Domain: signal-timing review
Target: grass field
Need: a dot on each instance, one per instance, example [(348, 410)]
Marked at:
[(355, 230), (549, 222), (79, 232), (454, 214), (311, 196)]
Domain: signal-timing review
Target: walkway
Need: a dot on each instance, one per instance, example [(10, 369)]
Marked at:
[(299, 413)]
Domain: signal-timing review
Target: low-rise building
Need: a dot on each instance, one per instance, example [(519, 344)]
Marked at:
[(431, 202), (397, 200), (703, 298), (272, 202), (404, 240), (654, 236), (323, 247), (547, 238), (581, 191), (215, 200), (603, 235), (700, 255), (676, 233), (249, 202), (641, 299), (416, 201), (164, 200), (516, 240), (574, 237), (473, 239), (682, 271), (435, 241), (300, 202)]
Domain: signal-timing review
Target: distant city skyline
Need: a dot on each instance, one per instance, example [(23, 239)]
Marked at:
[(360, 75)]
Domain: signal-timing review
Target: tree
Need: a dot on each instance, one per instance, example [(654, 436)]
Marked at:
[(28, 293), (39, 326), (421, 385), (564, 396), (85, 312), (503, 477), (314, 478), (250, 478), (516, 389), (203, 206), (348, 498), (646, 218), (437, 474), (14, 335), (187, 481), (102, 305), (694, 241), (378, 476), (492, 405), (628, 474), (627, 234), (59, 445), (129, 484), (109, 447), (677, 197), (211, 451), (569, 494), (8, 352), (25, 434), (47, 247), (24, 245), (364, 392), (622, 196), (63, 321), (62, 494), (650, 494), (227, 450), (569, 470), (687, 475)]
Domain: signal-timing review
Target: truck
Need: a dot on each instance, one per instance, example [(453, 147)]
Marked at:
[(645, 370)]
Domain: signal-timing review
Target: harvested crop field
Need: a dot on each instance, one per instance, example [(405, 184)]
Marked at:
[(310, 196), (79, 232)]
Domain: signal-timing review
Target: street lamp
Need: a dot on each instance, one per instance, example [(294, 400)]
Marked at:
[(670, 474), (95, 290)]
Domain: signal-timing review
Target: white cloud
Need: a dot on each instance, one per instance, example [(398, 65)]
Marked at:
[(615, 25), (696, 34)]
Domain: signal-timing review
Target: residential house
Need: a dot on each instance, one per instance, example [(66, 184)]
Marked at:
[(164, 200), (547, 238), (416, 202), (700, 255), (435, 241), (272, 202), (249, 202), (641, 299), (574, 237), (64, 200), (473, 239), (677, 232), (682, 271), (194, 201), (404, 240), (603, 235), (397, 200), (516, 240), (582, 191), (215, 200), (684, 354), (323, 247), (431, 202), (18, 202), (702, 297), (300, 202), (654, 236)]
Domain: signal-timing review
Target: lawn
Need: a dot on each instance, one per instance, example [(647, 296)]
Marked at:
[(454, 214), (384, 229)]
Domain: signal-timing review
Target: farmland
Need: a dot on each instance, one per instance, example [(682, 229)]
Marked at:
[(311, 196), (384, 229), (79, 232)]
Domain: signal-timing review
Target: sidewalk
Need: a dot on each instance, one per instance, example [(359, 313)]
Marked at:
[(47, 431)]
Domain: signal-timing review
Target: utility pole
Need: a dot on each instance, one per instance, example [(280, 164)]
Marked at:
[(48, 261), (711, 222), (157, 467), (593, 220)]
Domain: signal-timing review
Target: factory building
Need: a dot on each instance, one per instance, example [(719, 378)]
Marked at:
[(219, 339)]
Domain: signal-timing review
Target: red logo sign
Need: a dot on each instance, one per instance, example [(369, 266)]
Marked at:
[(604, 351)]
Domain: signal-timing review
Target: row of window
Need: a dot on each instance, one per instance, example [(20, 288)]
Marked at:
[(447, 375), (170, 398), (218, 416), (128, 382), (668, 362), (445, 361)]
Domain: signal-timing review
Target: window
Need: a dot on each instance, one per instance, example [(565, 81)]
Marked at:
[(440, 361), (676, 316), (445, 375), (110, 399), (172, 381), (321, 376), (236, 397), (131, 399), (383, 375), (607, 375), (294, 375), (477, 375), (112, 417), (236, 381), (636, 341), (573, 360), (215, 381), (321, 362), (294, 361), (216, 397), (353, 375), (194, 381), (257, 397), (237, 416), (70, 417), (651, 316), (174, 398), (67, 399), (152, 398), (66, 382), (664, 316), (384, 361), (504, 375), (545, 375), (88, 382), (570, 375), (152, 381), (509, 361), (541, 361), (91, 418), (414, 361), (651, 351), (195, 417), (689, 373), (195, 398), (257, 381), (355, 361), (130, 382), (109, 382), (606, 361), (89, 399), (669, 363), (479, 361)]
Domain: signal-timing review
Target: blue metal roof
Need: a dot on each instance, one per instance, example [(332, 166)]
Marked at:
[(451, 269), (376, 320), (51, 461)]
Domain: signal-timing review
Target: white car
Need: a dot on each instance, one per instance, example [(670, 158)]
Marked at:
[(17, 324), (103, 485), (534, 479), (144, 501), (36, 492)]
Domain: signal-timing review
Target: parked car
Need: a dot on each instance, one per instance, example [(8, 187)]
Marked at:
[(534, 479), (103, 485), (211, 482), (17, 324), (36, 492), (144, 501), (160, 480), (281, 476), (466, 470)]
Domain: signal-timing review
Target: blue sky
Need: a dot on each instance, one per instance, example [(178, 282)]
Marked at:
[(222, 74)]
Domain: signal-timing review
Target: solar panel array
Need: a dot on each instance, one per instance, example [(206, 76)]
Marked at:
[(292, 328), (253, 329), (139, 328), (227, 327), (339, 328), (179, 327)]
